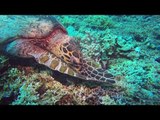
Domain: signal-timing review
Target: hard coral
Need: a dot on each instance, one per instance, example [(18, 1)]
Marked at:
[(66, 100), (99, 21)]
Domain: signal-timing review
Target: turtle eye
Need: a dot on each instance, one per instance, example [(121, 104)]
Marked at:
[(64, 50), (74, 62), (70, 48), (75, 54), (65, 44)]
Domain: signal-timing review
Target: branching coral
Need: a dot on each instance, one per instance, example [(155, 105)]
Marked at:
[(99, 22), (106, 100), (3, 64), (31, 88), (104, 48), (10, 82)]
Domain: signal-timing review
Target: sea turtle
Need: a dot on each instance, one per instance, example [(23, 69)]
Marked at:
[(48, 42)]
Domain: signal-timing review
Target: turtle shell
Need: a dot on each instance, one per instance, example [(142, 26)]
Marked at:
[(41, 27)]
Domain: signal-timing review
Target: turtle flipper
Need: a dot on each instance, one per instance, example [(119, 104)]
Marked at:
[(23, 48), (52, 62), (17, 48)]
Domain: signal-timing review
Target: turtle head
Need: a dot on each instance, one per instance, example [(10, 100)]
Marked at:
[(72, 54)]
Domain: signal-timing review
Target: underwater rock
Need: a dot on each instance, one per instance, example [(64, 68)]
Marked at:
[(138, 38), (3, 64), (158, 71), (158, 59), (151, 46), (158, 47), (42, 89), (157, 36), (8, 99), (66, 100)]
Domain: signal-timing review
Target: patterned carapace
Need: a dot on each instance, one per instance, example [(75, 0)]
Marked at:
[(48, 43)]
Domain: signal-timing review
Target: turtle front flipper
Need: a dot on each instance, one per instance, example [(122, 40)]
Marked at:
[(51, 61), (17, 47), (23, 48)]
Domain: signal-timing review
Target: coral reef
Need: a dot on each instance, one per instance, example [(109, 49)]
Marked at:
[(126, 46), (42, 89)]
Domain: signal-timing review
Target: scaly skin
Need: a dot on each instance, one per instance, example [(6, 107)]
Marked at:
[(57, 51)]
